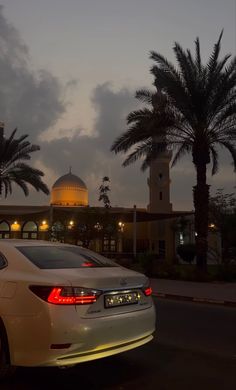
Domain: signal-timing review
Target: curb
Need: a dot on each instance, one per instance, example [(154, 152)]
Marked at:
[(194, 299)]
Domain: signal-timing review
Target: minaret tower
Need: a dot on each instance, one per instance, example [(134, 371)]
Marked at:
[(159, 184), (159, 202)]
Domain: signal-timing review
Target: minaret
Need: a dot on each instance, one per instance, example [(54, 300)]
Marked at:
[(159, 184), (160, 240)]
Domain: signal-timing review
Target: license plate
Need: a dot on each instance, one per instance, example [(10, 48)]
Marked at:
[(122, 299)]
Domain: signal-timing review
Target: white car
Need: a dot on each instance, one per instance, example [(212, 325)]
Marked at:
[(62, 304)]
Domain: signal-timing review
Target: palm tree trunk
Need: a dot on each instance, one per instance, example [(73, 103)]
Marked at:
[(201, 205)]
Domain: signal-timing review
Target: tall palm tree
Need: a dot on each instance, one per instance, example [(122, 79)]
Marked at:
[(192, 112), (13, 169)]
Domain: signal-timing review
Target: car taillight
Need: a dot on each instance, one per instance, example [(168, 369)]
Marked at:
[(148, 291), (66, 295)]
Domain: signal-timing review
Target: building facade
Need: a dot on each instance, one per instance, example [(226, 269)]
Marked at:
[(127, 231)]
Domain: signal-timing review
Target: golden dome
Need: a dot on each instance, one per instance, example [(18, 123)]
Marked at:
[(69, 190)]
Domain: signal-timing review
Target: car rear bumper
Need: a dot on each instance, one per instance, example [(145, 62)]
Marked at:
[(89, 339), (101, 353)]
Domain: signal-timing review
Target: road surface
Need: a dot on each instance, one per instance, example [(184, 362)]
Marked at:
[(194, 348)]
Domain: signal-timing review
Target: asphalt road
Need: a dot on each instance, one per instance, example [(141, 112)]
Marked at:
[(194, 348)]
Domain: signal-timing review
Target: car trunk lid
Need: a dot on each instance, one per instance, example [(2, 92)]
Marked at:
[(117, 285)]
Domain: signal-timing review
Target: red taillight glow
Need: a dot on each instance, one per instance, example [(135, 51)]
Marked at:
[(59, 299), (148, 291), (87, 264), (66, 295)]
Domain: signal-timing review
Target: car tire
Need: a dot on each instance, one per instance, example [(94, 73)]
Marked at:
[(6, 369)]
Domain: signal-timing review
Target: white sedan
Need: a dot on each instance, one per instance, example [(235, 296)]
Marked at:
[(62, 304)]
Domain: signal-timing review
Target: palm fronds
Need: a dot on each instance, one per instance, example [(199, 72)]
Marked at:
[(13, 151)]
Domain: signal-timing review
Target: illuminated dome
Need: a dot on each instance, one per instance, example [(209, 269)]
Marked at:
[(69, 190)]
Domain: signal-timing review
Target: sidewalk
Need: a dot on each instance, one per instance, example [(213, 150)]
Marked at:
[(218, 293)]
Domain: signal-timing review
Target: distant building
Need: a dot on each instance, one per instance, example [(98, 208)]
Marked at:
[(157, 229)]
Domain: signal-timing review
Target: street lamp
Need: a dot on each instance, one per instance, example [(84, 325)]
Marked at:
[(71, 224), (43, 226), (212, 226), (121, 226)]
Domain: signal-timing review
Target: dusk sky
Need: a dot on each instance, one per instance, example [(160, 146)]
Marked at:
[(69, 71)]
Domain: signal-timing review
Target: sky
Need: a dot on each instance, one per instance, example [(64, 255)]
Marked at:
[(69, 71)]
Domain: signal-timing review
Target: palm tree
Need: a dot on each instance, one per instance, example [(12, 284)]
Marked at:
[(13, 153), (192, 112)]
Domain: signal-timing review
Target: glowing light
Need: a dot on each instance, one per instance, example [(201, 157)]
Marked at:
[(15, 226), (70, 298), (43, 226), (121, 226), (148, 291), (71, 224)]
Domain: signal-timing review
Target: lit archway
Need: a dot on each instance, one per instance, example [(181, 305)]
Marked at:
[(30, 230), (4, 229)]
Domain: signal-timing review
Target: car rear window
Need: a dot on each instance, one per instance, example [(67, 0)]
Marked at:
[(59, 257)]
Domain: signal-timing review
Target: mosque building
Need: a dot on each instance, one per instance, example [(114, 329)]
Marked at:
[(156, 229)]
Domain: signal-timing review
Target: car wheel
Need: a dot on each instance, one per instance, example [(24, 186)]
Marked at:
[(6, 369)]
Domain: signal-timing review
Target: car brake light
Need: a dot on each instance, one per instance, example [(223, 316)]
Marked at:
[(87, 264), (148, 291), (66, 295)]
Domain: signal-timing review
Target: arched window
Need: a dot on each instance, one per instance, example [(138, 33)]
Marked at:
[(30, 230), (4, 229)]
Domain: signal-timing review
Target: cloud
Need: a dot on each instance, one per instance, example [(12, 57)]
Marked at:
[(30, 100), (33, 101), (90, 156)]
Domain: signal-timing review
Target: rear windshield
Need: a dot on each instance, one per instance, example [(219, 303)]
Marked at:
[(58, 257)]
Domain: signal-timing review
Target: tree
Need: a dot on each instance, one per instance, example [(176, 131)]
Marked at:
[(103, 192), (221, 204), (192, 111), (90, 224), (13, 169), (222, 212)]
